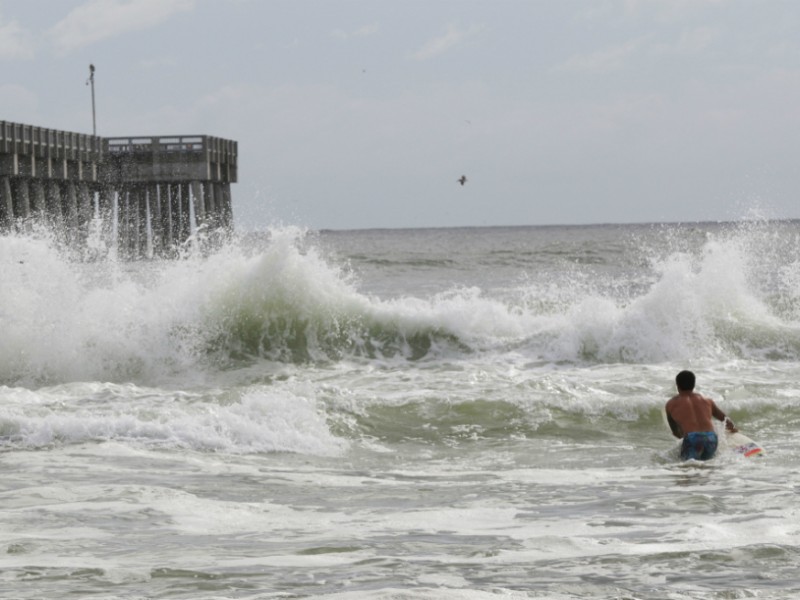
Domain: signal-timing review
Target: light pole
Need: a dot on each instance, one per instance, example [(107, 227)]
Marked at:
[(91, 81)]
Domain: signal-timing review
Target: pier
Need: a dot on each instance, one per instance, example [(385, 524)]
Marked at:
[(148, 195)]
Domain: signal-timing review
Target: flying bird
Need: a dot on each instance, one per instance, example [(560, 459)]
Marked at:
[(462, 180)]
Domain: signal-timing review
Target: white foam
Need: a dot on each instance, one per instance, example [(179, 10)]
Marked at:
[(65, 321), (260, 419)]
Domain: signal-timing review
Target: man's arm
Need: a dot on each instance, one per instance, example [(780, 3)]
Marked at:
[(715, 410), (673, 425)]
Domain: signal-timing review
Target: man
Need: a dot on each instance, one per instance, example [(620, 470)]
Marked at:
[(689, 415)]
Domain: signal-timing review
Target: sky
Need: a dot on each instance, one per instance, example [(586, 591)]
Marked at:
[(353, 114)]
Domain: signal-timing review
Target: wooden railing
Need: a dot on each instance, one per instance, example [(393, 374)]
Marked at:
[(17, 138), (219, 150)]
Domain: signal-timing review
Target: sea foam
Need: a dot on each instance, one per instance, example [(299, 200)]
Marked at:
[(285, 300)]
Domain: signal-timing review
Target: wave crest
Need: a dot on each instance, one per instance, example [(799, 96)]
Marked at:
[(734, 294)]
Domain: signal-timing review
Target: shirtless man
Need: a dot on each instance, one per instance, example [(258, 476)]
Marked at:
[(689, 415)]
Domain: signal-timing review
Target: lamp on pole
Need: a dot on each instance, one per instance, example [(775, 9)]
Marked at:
[(88, 82)]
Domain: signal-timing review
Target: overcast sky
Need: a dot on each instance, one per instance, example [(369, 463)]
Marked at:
[(364, 113)]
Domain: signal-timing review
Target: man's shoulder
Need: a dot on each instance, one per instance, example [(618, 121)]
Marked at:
[(705, 399), (674, 400), (671, 403)]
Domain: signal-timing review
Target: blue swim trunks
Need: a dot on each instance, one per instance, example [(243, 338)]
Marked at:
[(699, 445)]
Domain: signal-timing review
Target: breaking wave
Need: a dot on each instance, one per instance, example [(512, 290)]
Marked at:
[(733, 294)]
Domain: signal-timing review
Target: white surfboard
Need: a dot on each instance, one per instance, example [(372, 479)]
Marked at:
[(741, 444)]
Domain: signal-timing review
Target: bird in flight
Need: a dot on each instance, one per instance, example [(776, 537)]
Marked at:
[(462, 180)]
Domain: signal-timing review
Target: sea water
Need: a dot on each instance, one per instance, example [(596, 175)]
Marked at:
[(441, 413)]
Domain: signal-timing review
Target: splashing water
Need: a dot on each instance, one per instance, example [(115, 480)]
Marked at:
[(727, 294)]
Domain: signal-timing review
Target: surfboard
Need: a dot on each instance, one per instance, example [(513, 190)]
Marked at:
[(738, 443)]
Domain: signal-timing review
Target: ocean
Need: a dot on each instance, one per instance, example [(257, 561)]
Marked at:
[(399, 414)]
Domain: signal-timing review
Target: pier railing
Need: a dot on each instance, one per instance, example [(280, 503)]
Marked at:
[(16, 138), (173, 157)]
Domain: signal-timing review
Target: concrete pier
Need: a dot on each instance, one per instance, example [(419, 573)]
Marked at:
[(153, 191)]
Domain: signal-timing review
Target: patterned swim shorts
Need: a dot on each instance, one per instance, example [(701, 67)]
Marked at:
[(699, 445)]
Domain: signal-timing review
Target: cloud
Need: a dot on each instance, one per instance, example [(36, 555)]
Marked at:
[(697, 39), (15, 42), (691, 41), (96, 20), (158, 63), (608, 59), (364, 31), (451, 38), (18, 103), (674, 10)]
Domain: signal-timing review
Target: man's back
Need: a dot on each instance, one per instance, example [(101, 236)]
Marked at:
[(691, 412)]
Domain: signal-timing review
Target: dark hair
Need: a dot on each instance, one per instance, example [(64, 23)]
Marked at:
[(685, 381)]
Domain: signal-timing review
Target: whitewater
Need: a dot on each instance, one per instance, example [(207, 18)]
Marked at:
[(435, 413)]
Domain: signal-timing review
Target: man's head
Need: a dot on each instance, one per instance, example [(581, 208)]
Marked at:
[(685, 381)]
